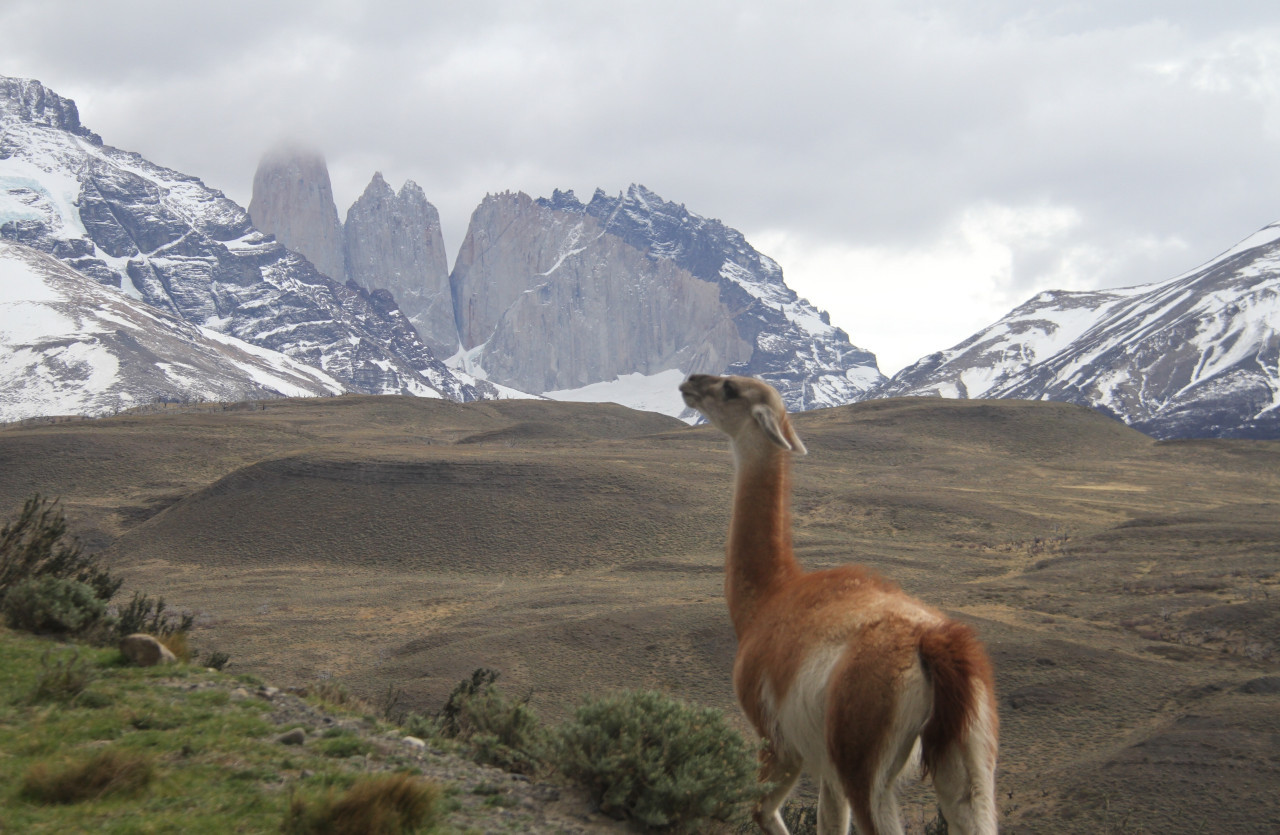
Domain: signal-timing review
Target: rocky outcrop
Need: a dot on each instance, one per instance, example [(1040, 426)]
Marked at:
[(293, 200), (144, 650), (553, 294), (27, 100), (559, 304), (394, 243)]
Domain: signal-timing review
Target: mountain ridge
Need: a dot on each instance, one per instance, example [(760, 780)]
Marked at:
[(1197, 355)]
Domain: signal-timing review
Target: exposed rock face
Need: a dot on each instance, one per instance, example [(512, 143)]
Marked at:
[(1196, 356), (394, 243), (27, 100), (554, 294), (561, 305), (293, 200)]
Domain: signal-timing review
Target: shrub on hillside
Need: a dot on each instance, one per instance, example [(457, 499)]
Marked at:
[(378, 806), (659, 761), (501, 732), (53, 605), (142, 614), (36, 544)]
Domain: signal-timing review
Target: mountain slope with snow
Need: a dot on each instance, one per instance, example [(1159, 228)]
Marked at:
[(170, 241), (69, 345), (1195, 356)]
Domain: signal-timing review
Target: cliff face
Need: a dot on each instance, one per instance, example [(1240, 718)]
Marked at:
[(293, 200), (557, 303), (393, 243), (555, 294)]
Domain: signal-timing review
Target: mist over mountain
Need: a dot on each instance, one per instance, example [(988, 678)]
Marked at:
[(615, 298)]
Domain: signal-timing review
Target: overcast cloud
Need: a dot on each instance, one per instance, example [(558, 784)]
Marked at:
[(917, 168)]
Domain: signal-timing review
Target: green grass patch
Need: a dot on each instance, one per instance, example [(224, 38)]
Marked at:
[(95, 746)]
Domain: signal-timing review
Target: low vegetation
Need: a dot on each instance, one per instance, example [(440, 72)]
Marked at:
[(94, 744), (658, 761)]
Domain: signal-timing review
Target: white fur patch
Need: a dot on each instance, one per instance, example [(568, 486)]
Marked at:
[(801, 718)]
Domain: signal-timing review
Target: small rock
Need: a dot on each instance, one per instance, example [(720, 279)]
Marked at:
[(239, 694), (145, 651), (297, 736), (414, 742)]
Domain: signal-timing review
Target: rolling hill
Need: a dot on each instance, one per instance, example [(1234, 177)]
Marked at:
[(1126, 587)]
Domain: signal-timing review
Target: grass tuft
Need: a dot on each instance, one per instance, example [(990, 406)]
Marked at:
[(108, 772), (379, 806)]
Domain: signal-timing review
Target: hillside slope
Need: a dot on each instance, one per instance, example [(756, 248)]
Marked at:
[(1126, 588)]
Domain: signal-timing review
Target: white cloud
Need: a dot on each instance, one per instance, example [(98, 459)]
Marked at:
[(947, 159)]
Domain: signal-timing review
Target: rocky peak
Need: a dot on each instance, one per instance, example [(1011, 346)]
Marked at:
[(27, 100), (394, 243), (293, 200), (553, 294)]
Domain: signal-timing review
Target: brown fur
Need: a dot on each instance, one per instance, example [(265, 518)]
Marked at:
[(953, 658)]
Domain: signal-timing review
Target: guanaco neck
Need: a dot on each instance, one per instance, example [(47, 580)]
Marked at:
[(759, 560)]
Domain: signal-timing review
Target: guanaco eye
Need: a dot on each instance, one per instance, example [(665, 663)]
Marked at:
[(730, 391)]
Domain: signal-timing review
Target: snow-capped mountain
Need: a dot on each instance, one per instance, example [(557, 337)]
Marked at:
[(69, 345), (600, 299), (1195, 356), (166, 239)]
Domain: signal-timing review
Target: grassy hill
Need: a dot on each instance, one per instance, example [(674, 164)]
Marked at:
[(1127, 589)]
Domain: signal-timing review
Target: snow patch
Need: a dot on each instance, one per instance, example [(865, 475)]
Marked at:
[(646, 392)]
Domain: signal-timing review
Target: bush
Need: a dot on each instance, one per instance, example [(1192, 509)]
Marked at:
[(108, 772), (142, 614), (36, 545), (481, 679), (501, 732), (379, 806), (217, 660), (658, 761), (54, 605), (341, 744)]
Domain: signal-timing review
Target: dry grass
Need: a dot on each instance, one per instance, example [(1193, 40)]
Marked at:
[(375, 806), (1128, 590), (108, 772)]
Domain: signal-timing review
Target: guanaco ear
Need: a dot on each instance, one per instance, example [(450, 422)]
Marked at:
[(769, 423)]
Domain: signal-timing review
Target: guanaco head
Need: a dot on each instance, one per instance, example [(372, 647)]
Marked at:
[(745, 409)]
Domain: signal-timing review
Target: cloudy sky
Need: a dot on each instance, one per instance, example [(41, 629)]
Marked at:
[(917, 168)]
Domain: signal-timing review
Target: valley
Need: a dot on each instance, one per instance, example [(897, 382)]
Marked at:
[(1127, 589)]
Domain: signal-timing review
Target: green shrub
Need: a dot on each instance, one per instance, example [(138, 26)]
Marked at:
[(481, 679), (54, 605), (142, 614), (108, 772), (36, 545), (658, 761), (501, 732), (217, 660), (378, 806), (341, 744)]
